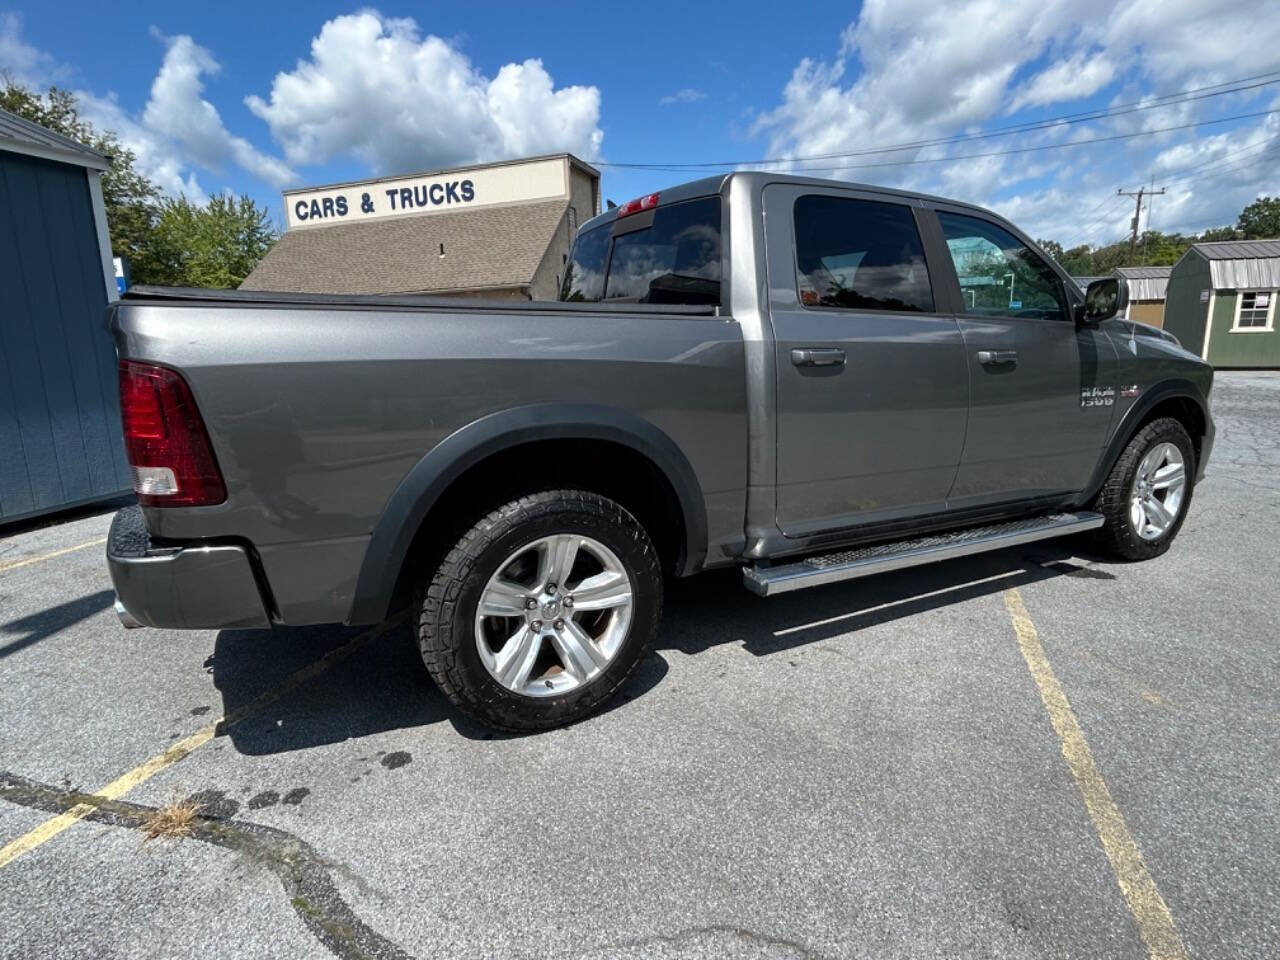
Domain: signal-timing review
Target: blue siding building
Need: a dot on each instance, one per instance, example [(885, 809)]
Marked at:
[(60, 443)]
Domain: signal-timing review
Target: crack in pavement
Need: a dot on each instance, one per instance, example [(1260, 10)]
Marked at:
[(302, 873)]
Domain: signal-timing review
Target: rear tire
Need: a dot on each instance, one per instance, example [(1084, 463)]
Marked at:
[(571, 589), (1148, 493)]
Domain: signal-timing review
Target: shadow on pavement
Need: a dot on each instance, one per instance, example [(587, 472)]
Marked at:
[(38, 626), (383, 686)]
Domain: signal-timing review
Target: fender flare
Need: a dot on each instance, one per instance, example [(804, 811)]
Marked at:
[(430, 477), (1128, 426)]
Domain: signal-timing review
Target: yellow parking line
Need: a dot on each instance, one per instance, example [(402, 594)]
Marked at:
[(15, 564), (1150, 912), (112, 791), (145, 771)]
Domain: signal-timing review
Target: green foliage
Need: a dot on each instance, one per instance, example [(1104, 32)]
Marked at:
[(129, 197), (167, 241), (209, 246), (1260, 220)]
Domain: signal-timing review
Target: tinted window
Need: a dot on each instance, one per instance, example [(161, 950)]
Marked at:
[(584, 274), (859, 254), (674, 260), (999, 275)]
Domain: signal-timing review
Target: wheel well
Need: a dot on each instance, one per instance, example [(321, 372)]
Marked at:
[(610, 469), (1186, 411)]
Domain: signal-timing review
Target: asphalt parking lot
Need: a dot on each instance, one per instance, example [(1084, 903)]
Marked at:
[(1035, 753)]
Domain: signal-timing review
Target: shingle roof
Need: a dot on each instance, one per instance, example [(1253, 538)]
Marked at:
[(23, 136), (487, 247), (1242, 264)]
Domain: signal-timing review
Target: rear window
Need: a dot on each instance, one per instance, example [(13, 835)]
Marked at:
[(671, 256)]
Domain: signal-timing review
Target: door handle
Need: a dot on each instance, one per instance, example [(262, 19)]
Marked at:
[(817, 357), (992, 358)]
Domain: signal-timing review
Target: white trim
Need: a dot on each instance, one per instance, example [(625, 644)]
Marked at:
[(57, 154), (104, 238), (1208, 325), (1269, 326)]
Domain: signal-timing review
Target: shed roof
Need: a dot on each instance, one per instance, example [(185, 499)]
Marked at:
[(19, 135), (483, 248), (1146, 283), (1242, 264)]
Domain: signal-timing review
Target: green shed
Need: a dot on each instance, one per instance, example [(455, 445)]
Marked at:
[(1221, 302)]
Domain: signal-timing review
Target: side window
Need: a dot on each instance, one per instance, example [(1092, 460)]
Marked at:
[(999, 274), (584, 275), (674, 260), (859, 255)]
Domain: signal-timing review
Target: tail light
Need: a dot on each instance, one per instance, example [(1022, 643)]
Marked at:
[(638, 205), (168, 447)]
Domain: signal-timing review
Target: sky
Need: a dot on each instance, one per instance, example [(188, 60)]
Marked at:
[(255, 98)]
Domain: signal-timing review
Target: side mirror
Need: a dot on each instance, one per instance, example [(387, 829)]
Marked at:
[(1103, 299)]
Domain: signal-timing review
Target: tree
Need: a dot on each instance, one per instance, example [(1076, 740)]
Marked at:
[(209, 246), (129, 197), (167, 241), (1260, 220)]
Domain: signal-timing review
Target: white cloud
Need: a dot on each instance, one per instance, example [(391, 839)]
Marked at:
[(157, 158), (374, 88), (22, 62), (1066, 80), (177, 131), (912, 70), (687, 95), (177, 110)]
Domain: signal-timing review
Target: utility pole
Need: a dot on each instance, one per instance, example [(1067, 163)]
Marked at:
[(1137, 214)]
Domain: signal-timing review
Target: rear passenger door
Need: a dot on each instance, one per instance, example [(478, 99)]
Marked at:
[(872, 382), (1037, 425)]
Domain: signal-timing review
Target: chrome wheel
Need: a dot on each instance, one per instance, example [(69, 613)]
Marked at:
[(554, 615), (1155, 500)]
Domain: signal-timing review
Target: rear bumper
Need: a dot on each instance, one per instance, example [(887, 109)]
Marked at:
[(181, 587)]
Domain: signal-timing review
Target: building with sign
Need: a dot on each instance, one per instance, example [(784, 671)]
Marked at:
[(1221, 302), (501, 230), (60, 438)]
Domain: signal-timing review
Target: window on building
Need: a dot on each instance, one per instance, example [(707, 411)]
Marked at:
[(999, 275), (1254, 309), (859, 255), (573, 220)]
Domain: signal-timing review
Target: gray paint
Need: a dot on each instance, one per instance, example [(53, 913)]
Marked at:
[(333, 417), (59, 407)]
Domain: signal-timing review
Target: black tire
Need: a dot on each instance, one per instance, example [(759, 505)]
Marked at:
[(447, 611), (1118, 535)]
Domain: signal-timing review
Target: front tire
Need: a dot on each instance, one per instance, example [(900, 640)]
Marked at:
[(542, 610), (1148, 493)]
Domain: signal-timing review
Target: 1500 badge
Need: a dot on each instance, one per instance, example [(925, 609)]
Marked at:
[(1097, 396)]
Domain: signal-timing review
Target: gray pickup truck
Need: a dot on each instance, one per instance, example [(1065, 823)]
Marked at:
[(811, 380)]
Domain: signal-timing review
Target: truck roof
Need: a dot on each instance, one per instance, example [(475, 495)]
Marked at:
[(758, 179)]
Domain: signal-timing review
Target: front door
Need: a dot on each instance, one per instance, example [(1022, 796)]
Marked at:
[(1043, 389), (872, 383)]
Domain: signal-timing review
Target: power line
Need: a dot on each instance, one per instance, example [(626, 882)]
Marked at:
[(1020, 150), (1185, 96)]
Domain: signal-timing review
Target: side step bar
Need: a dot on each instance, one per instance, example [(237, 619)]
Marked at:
[(882, 557)]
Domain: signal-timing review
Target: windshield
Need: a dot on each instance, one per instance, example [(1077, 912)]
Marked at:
[(673, 258)]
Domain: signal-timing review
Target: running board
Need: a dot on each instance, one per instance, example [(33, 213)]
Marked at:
[(848, 564)]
